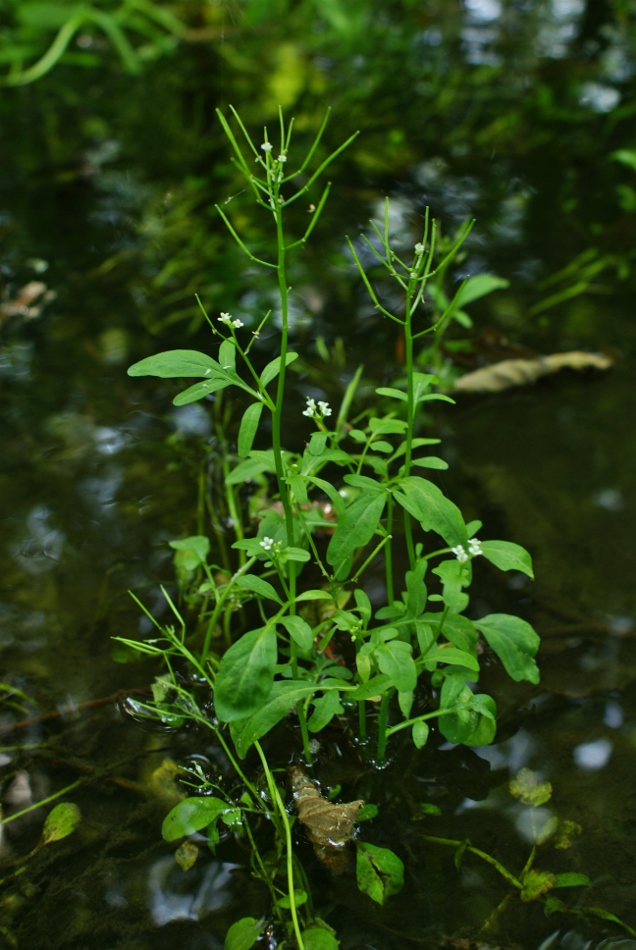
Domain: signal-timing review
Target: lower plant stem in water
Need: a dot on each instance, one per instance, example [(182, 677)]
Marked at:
[(277, 800)]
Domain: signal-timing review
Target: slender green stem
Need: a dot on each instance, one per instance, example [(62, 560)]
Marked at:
[(410, 413), (382, 722), (219, 607), (45, 801), (388, 553), (516, 883), (375, 551), (278, 801)]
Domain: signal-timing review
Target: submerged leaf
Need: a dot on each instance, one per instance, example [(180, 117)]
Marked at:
[(329, 825), (528, 789), (60, 822), (318, 938), (190, 815), (520, 372), (244, 933), (379, 872), (186, 855)]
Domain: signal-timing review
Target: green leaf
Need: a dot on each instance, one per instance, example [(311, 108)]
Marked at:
[(394, 393), (258, 586), (195, 548), (528, 789), (366, 483), (572, 879), (515, 643), (300, 898), (395, 660), (432, 509), (478, 286), (363, 604), (379, 872), (294, 554), (456, 628), (317, 444), (454, 577), (355, 529), (227, 354), (314, 595), (60, 822), (298, 486), (536, 884), (625, 155), (452, 656), (508, 556), (283, 696), (405, 702), (272, 369), (244, 933), (387, 426), (200, 391), (247, 470), (246, 674), (190, 815), (373, 687), (430, 461), (249, 428), (470, 727), (325, 708), (299, 630), (420, 734), (177, 363), (416, 589), (317, 938)]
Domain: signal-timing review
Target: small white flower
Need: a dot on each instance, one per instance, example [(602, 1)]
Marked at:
[(282, 158), (474, 547), (419, 249), (325, 408), (310, 411), (267, 146), (267, 544), (226, 318), (461, 555), (413, 273)]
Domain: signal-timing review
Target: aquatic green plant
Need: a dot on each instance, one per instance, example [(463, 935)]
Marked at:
[(532, 884), (355, 483)]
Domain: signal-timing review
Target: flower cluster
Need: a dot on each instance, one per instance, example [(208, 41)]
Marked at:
[(271, 547), (226, 318), (319, 411), (463, 555), (267, 147)]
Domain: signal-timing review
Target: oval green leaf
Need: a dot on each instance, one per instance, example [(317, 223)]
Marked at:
[(244, 933), (246, 674), (515, 643), (190, 815), (60, 822), (249, 428)]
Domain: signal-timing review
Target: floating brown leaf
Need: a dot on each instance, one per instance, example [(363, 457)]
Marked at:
[(508, 373), (329, 826)]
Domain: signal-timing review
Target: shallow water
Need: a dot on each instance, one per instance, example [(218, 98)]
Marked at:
[(98, 472)]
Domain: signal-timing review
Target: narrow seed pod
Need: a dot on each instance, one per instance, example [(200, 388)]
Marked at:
[(329, 826)]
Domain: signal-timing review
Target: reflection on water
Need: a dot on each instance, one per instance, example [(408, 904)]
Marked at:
[(174, 895)]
